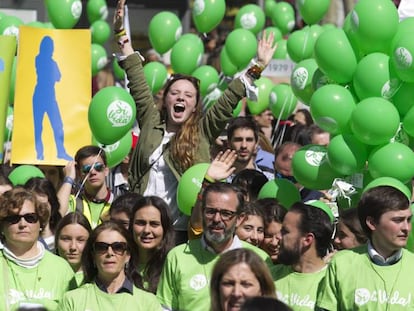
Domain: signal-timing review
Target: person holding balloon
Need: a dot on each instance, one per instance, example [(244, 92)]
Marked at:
[(179, 136)]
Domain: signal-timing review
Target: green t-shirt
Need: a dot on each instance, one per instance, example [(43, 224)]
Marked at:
[(184, 282), (298, 290), (43, 285), (90, 297), (354, 282)]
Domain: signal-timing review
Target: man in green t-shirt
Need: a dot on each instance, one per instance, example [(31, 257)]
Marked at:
[(305, 240), (376, 276), (185, 278)]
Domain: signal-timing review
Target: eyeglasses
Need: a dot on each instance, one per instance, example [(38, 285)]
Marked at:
[(99, 167), (118, 248), (224, 214), (31, 218)]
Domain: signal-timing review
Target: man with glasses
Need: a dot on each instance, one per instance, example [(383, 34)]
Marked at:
[(90, 195), (184, 282)]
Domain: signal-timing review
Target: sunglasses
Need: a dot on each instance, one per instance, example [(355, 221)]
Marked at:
[(99, 167), (118, 248), (31, 218)]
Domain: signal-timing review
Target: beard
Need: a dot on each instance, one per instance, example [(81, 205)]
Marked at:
[(217, 237), (289, 256)]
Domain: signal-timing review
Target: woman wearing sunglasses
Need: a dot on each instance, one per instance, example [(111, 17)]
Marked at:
[(179, 135), (31, 276), (107, 285)]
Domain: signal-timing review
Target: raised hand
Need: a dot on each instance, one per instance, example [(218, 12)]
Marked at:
[(266, 48), (222, 165), (118, 21)]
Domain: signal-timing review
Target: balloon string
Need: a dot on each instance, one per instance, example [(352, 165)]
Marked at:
[(87, 175), (278, 121)]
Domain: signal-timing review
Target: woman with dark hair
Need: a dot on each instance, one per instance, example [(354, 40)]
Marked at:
[(71, 236), (152, 232), (179, 136), (31, 276), (107, 285), (46, 193), (239, 274), (250, 182), (349, 233), (273, 218), (303, 116)]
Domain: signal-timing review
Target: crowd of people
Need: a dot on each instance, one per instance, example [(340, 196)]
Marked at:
[(91, 242)]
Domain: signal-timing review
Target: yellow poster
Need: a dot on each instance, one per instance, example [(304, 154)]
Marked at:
[(52, 95)]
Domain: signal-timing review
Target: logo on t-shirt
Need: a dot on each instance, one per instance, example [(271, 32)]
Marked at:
[(198, 281), (294, 299), (363, 296)]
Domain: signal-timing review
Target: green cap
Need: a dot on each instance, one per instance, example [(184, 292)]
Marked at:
[(323, 206)]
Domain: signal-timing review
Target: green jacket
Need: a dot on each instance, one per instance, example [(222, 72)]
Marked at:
[(153, 126)]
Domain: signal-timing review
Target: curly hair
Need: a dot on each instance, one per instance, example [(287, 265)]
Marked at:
[(12, 201)]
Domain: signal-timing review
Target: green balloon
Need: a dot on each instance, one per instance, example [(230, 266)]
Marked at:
[(96, 9), (186, 54), (283, 17), (208, 77), (111, 114), (312, 11), (189, 186), (101, 31), (311, 168), (320, 79), (403, 99), (163, 31), (241, 40), (237, 110), (346, 154), (118, 71), (331, 107), (389, 181), (350, 33), (156, 75), (392, 160), (250, 17), (21, 174), (281, 189), (372, 77), (207, 14), (277, 34), (269, 6), (375, 121), (116, 152), (331, 46), (264, 86), (99, 58), (401, 57), (301, 79), (9, 26), (64, 14), (281, 50), (282, 101), (300, 44), (227, 67), (375, 23)]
